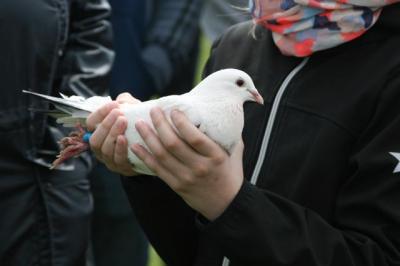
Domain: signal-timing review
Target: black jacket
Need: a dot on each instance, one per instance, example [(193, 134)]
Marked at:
[(46, 46), (50, 47), (322, 149)]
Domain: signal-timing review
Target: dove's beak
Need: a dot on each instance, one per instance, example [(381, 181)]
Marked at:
[(257, 97)]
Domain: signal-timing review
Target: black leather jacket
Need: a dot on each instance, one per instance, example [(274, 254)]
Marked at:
[(48, 46)]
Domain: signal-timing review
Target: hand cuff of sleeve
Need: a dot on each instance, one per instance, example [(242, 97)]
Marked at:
[(232, 213)]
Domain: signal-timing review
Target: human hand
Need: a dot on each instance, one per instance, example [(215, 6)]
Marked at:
[(108, 141), (193, 165)]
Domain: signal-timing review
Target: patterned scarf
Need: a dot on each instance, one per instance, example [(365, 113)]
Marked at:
[(302, 27)]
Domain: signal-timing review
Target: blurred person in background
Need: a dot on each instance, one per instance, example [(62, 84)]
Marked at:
[(317, 182), (156, 45), (157, 48), (218, 15), (48, 47)]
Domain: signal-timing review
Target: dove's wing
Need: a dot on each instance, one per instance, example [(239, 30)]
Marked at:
[(141, 111), (220, 119), (184, 103), (63, 104), (71, 110)]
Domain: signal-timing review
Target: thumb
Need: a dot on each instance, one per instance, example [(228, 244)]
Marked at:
[(98, 116), (126, 97)]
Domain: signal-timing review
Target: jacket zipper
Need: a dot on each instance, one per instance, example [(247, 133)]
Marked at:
[(64, 24), (62, 37), (270, 125), (272, 118)]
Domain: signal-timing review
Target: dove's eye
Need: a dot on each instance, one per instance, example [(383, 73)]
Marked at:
[(240, 82)]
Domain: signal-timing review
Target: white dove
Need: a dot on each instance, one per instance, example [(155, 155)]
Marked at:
[(215, 106)]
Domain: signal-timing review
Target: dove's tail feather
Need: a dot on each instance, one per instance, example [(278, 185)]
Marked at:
[(63, 118), (72, 121), (52, 113), (68, 112), (62, 104)]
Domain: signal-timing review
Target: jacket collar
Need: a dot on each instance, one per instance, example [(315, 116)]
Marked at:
[(390, 18)]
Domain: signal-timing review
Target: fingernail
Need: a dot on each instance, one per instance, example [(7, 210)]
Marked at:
[(113, 114), (175, 113), (156, 112), (140, 124), (122, 123), (136, 147), (113, 105)]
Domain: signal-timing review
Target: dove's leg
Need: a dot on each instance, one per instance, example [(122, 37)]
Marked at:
[(72, 146)]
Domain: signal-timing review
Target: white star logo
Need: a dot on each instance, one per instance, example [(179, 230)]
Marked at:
[(397, 156)]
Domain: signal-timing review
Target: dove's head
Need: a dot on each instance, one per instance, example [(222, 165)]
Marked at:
[(233, 82)]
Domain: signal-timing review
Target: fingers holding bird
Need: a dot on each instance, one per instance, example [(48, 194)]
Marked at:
[(110, 141), (199, 170), (120, 162), (110, 145), (102, 132), (97, 117), (159, 159), (196, 139), (195, 167), (172, 140), (170, 151)]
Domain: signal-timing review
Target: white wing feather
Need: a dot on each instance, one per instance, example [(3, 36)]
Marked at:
[(141, 111), (75, 108)]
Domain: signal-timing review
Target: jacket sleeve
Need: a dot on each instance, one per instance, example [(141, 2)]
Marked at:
[(172, 34), (262, 228), (86, 57), (167, 220)]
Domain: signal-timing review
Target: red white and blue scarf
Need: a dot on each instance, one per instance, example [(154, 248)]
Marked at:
[(302, 27)]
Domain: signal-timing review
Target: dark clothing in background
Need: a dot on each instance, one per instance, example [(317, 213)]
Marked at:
[(328, 189), (129, 26), (117, 237), (156, 54), (48, 47)]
